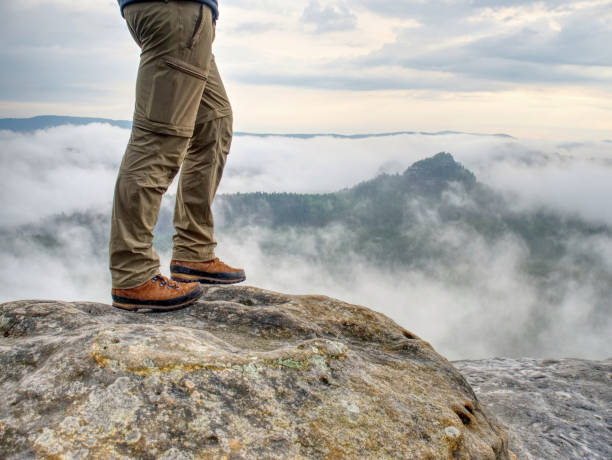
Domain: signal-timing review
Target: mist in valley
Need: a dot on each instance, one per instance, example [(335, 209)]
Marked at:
[(471, 293)]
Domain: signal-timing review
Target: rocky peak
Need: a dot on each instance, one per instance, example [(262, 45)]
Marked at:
[(441, 168), (243, 374)]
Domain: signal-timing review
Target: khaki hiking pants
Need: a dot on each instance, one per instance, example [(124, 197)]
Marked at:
[(182, 117)]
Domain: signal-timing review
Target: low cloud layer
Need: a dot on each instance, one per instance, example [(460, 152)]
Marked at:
[(482, 304), (476, 303), (64, 169), (71, 168)]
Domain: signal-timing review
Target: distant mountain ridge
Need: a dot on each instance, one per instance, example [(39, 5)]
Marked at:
[(52, 121), (376, 202)]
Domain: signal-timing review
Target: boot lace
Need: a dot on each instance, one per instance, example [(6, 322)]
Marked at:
[(220, 263), (163, 281)]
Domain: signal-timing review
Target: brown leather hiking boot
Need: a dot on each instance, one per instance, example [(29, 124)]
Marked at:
[(210, 272), (159, 293)]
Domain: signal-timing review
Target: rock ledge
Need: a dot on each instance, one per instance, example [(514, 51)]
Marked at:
[(243, 374)]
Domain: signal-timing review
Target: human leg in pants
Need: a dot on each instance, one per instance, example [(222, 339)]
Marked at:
[(176, 41), (201, 173), (194, 243)]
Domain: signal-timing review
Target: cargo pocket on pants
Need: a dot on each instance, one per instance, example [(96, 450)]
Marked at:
[(175, 94)]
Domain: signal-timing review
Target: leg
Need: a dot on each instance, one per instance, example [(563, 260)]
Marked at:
[(176, 41), (201, 174), (194, 243), (149, 165)]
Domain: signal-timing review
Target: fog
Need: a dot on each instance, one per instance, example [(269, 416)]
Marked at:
[(476, 301), (482, 306), (72, 168)]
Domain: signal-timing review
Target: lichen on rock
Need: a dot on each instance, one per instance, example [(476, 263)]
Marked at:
[(244, 373)]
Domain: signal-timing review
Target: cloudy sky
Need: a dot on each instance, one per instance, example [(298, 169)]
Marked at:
[(539, 70)]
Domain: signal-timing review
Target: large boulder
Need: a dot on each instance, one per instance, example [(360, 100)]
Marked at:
[(243, 374)]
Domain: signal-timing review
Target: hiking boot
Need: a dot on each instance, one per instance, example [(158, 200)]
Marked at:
[(159, 293), (210, 272)]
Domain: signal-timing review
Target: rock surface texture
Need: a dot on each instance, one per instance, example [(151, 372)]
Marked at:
[(243, 374), (552, 409)]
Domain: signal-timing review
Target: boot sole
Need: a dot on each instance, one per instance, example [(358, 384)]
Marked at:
[(124, 303), (184, 278), (189, 275)]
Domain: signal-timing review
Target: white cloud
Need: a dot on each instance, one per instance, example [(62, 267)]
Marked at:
[(329, 18), (63, 169)]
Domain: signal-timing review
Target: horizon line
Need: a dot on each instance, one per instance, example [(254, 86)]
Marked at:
[(29, 124)]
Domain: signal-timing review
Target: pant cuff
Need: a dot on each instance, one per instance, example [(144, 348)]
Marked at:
[(132, 281), (194, 257)]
